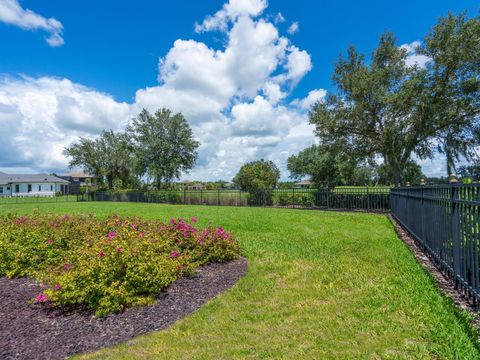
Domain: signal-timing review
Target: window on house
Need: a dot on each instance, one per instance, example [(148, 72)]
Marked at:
[(51, 187), (39, 187), (29, 188), (17, 188), (1, 189)]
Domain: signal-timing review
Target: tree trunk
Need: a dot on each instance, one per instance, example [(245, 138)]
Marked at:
[(450, 161), (158, 183)]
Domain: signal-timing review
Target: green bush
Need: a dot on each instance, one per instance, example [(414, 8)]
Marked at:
[(106, 264), (304, 199)]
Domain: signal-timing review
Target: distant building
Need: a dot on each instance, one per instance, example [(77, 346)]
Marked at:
[(189, 185), (303, 184), (78, 180), (83, 178), (32, 185)]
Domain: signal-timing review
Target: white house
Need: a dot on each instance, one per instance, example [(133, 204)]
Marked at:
[(31, 185)]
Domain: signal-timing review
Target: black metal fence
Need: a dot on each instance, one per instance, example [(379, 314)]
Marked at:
[(367, 199), (445, 222), (8, 200)]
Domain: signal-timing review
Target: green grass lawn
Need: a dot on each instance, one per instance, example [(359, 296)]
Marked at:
[(320, 285)]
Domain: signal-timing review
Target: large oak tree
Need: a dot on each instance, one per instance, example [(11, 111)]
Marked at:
[(389, 108)]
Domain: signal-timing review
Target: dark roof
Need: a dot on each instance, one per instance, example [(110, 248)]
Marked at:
[(29, 178)]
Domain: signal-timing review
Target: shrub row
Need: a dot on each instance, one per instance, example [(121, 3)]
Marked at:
[(106, 264)]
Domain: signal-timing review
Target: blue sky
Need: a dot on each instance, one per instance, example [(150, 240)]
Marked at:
[(103, 61)]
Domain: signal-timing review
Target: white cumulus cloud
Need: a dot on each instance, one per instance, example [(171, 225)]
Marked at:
[(293, 28), (312, 97), (412, 57), (12, 13), (39, 117), (234, 96)]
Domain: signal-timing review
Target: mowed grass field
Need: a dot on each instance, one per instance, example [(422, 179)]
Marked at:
[(319, 285)]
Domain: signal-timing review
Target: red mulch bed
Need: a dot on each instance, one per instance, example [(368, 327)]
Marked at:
[(29, 331)]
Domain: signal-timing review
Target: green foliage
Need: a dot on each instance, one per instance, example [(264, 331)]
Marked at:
[(320, 285), (412, 173), (257, 175), (109, 157), (385, 107), (471, 170), (108, 264), (453, 76), (287, 198), (259, 178), (330, 166), (164, 145)]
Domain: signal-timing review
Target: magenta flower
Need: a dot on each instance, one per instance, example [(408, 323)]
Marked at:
[(57, 287), (101, 254), (219, 231), (194, 220), (119, 250), (172, 221), (142, 234), (67, 266), (174, 254), (41, 298), (50, 241), (112, 234)]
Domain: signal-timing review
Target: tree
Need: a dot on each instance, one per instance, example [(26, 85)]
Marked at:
[(330, 166), (109, 157), (164, 145), (411, 174), (257, 175), (391, 109), (453, 84)]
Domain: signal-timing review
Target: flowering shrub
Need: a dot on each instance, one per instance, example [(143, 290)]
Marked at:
[(106, 264)]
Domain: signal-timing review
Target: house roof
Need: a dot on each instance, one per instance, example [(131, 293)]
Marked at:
[(80, 174), (29, 178), (303, 182)]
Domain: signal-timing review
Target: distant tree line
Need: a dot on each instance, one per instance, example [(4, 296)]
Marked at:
[(386, 108), (154, 149)]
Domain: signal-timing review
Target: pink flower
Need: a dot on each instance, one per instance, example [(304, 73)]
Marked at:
[(41, 298), (172, 221), (57, 287), (67, 266), (101, 254), (50, 241), (194, 220), (119, 250), (142, 234), (112, 234), (219, 231), (174, 254), (133, 226)]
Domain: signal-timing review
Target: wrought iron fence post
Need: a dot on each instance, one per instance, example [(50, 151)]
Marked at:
[(455, 234), (184, 196), (368, 201), (422, 212), (201, 197), (218, 197), (293, 198)]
